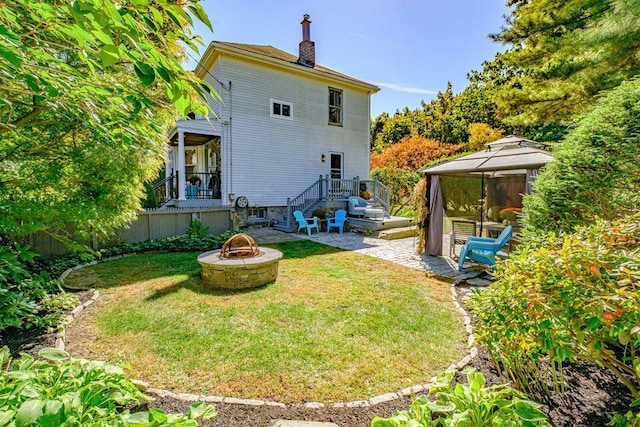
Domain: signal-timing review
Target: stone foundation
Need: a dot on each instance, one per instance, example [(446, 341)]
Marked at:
[(240, 273)]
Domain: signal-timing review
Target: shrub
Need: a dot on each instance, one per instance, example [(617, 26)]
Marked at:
[(57, 264), (197, 229), (563, 298), (510, 214), (471, 404), (29, 300), (412, 152), (56, 390), (595, 172)]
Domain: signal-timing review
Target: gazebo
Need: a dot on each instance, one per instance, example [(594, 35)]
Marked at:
[(504, 171)]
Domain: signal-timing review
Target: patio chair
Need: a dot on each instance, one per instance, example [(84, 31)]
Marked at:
[(359, 207), (337, 221), (484, 249), (306, 223), (461, 229)]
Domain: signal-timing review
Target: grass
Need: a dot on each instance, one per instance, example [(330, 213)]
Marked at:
[(336, 325)]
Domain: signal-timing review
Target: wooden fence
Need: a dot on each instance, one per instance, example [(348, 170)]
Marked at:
[(150, 225)]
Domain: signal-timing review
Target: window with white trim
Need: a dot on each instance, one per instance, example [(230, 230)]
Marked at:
[(335, 106), (281, 109)]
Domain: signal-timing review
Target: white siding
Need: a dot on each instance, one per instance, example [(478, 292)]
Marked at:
[(270, 159)]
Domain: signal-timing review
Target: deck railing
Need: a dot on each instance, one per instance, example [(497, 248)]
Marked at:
[(337, 189)]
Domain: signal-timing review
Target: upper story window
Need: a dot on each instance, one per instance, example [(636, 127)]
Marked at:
[(281, 110), (335, 106)]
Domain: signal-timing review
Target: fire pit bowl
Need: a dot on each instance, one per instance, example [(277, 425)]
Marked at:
[(240, 264)]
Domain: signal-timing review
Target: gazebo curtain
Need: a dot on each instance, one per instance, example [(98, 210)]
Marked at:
[(436, 216)]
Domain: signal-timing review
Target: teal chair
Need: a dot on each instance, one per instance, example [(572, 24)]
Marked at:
[(337, 221), (484, 249), (306, 223)]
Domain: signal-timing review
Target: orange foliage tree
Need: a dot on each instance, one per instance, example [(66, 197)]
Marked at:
[(413, 152)]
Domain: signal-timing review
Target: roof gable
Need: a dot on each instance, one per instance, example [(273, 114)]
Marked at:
[(274, 56)]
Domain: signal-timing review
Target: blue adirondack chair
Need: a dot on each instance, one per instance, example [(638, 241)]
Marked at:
[(484, 249), (306, 223), (337, 221)]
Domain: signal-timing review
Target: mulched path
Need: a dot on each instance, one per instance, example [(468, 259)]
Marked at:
[(591, 397)]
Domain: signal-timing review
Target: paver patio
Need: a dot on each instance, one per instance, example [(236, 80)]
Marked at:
[(400, 251)]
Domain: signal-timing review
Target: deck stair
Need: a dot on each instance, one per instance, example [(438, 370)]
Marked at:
[(334, 193)]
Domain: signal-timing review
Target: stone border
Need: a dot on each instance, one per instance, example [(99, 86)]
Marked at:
[(189, 397)]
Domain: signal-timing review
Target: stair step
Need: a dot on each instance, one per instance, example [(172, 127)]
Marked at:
[(398, 233)]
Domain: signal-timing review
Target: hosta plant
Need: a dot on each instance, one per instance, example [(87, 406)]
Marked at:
[(470, 405), (56, 390)]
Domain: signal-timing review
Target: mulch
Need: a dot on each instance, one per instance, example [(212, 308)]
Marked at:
[(592, 395)]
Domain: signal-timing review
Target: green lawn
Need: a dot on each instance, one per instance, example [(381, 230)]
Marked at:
[(336, 325)]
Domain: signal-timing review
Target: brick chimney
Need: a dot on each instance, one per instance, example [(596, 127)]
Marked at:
[(307, 56)]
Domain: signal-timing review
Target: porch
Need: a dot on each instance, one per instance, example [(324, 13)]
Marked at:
[(192, 175)]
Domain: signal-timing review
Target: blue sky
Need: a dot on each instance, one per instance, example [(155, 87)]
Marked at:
[(409, 48)]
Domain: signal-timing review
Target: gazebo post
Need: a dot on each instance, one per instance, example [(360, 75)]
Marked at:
[(481, 201)]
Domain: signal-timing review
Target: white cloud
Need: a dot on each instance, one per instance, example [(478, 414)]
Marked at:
[(408, 89)]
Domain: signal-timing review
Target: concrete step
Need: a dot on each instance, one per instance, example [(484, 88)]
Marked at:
[(398, 233)]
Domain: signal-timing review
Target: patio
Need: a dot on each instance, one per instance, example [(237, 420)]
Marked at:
[(400, 251)]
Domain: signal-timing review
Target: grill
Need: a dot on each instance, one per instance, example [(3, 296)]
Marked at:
[(240, 246)]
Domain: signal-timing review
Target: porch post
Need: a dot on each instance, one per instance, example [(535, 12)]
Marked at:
[(167, 173), (181, 167)]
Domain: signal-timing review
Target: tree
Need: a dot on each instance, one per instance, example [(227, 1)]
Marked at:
[(595, 171), (397, 166), (413, 152), (480, 134), (563, 54), (87, 90)]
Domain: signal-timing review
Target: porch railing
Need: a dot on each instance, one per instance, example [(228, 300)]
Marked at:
[(338, 189), (166, 189), (201, 185)]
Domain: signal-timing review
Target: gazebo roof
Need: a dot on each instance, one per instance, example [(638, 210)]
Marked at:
[(510, 153)]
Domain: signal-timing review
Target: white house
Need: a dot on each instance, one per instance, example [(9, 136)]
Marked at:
[(283, 122)]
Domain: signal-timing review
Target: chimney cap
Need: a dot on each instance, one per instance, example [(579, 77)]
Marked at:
[(306, 17)]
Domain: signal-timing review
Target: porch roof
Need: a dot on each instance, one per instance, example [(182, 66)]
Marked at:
[(196, 131)]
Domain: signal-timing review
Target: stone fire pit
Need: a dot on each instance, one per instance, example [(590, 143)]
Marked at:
[(240, 264)]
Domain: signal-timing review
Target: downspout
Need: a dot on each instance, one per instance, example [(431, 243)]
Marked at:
[(230, 139)]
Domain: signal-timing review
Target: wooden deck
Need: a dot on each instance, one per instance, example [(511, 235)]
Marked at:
[(381, 224)]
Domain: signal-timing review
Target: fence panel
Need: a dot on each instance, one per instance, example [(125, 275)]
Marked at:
[(149, 225)]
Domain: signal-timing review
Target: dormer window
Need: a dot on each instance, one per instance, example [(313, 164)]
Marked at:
[(281, 110), (335, 106)]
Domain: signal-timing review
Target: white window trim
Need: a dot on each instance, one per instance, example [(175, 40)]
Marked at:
[(280, 116)]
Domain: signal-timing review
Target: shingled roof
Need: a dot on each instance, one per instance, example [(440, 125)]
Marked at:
[(280, 55)]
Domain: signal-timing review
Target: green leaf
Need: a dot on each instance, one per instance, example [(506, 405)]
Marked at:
[(53, 354), (198, 11), (144, 72), (158, 415), (10, 56), (29, 412), (6, 416), (527, 412), (7, 33), (162, 72), (109, 54), (623, 337), (138, 419)]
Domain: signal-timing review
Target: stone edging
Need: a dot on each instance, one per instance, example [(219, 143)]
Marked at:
[(189, 397)]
